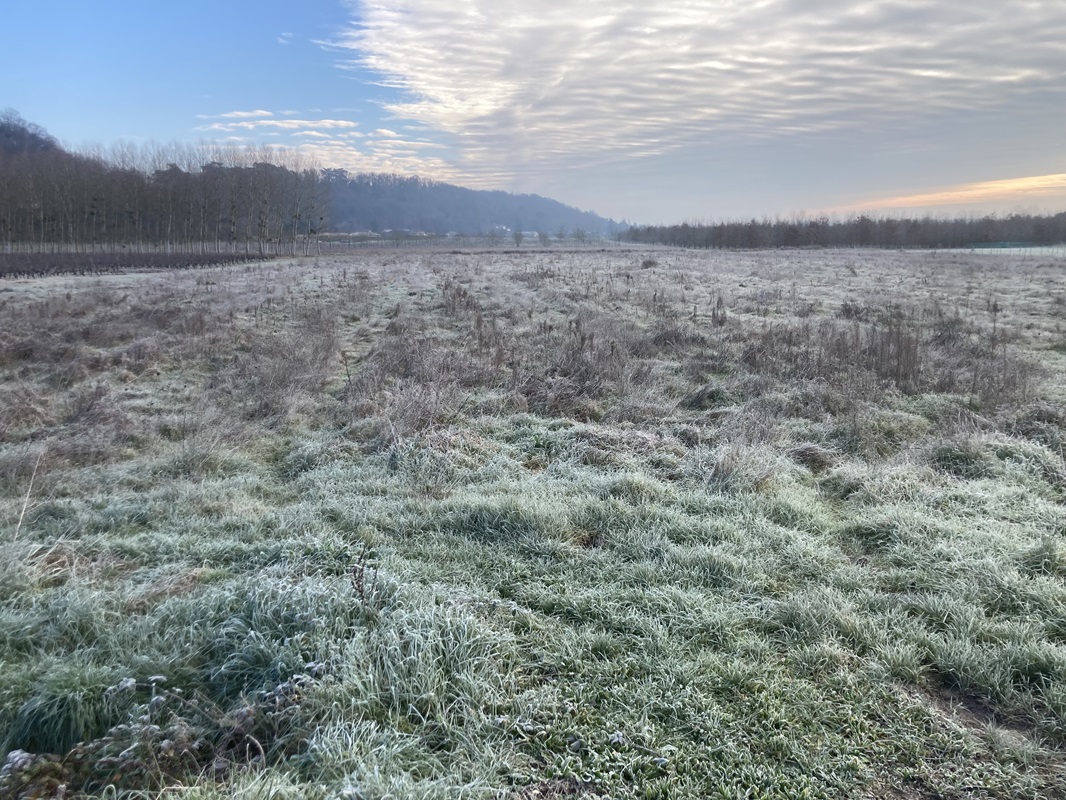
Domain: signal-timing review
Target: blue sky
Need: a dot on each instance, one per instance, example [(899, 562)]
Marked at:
[(654, 112)]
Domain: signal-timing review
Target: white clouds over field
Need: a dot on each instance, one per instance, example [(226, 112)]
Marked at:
[(526, 91), (334, 142)]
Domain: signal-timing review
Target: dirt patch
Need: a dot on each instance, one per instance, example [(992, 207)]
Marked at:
[(970, 713)]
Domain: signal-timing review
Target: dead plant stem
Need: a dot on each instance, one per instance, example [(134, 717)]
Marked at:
[(26, 501)]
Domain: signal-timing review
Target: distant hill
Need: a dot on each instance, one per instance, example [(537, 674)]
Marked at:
[(18, 136), (380, 202)]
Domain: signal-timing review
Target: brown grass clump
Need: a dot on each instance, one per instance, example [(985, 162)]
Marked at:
[(815, 457)]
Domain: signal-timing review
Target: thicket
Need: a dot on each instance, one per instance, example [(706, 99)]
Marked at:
[(925, 232), (170, 198)]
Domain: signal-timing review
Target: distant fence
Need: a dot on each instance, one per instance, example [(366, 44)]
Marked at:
[(69, 260), (1014, 249), (331, 243), (38, 265)]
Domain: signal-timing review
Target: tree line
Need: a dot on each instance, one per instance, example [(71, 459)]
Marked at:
[(173, 198), (859, 231)]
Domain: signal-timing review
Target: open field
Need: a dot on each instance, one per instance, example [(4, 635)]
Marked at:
[(628, 524)]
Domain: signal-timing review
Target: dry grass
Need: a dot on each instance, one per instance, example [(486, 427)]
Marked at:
[(537, 524)]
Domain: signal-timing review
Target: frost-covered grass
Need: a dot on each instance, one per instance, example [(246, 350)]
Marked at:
[(620, 524)]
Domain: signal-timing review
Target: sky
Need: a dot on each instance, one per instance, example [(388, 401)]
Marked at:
[(652, 112)]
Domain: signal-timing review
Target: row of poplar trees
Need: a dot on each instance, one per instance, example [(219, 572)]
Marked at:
[(861, 231), (154, 198)]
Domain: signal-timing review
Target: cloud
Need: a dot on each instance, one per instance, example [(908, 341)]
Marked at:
[(384, 155), (985, 193), (285, 38), (245, 114), (282, 124), (335, 142), (526, 89), (237, 115)]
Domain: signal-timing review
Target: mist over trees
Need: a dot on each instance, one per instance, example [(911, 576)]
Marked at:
[(378, 202), (859, 231), (171, 198)]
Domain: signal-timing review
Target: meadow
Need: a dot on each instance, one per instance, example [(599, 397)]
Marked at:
[(629, 523)]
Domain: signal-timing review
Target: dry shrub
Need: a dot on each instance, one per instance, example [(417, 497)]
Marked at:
[(404, 353), (582, 368), (877, 433), (833, 352), (712, 395), (283, 374), (206, 435), (1040, 422), (853, 309), (496, 403), (95, 427), (814, 400), (559, 396), (592, 456), (671, 335), (22, 410), (91, 405), (742, 468), (637, 407), (608, 445), (750, 425), (897, 349), (406, 384), (139, 355), (413, 407), (815, 457), (19, 463)]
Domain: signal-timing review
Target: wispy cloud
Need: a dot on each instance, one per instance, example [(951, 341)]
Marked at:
[(335, 142), (285, 38), (1031, 190), (244, 114), (526, 89), (382, 155), (283, 124)]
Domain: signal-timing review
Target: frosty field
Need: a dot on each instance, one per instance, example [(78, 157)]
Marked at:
[(537, 524)]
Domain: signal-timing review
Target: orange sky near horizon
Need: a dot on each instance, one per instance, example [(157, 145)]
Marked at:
[(1041, 193)]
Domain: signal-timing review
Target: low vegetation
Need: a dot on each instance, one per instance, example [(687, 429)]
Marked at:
[(628, 524), (39, 265)]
